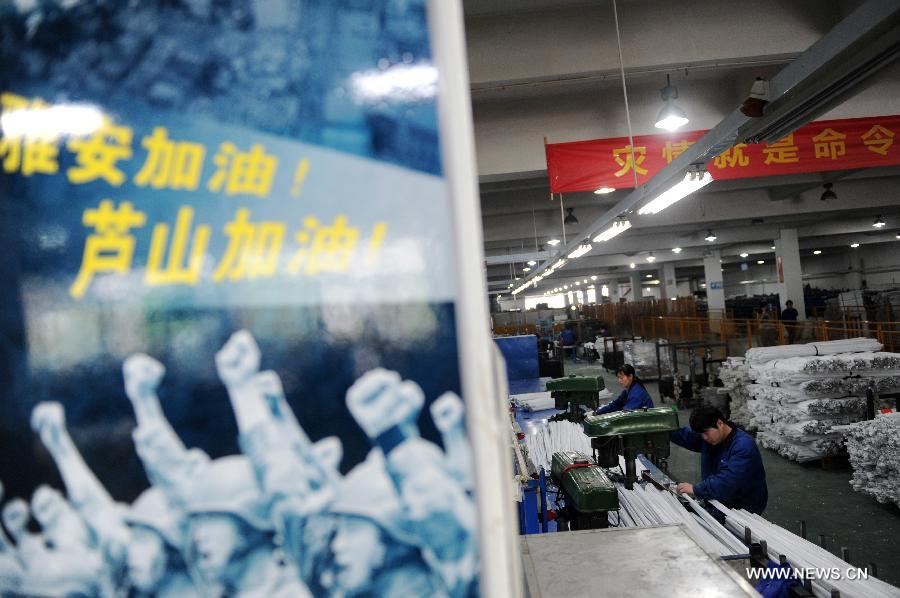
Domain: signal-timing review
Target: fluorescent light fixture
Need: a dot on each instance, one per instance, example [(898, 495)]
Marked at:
[(577, 283), (565, 287), (817, 252), (631, 265), (585, 281), (653, 282), (760, 262), (603, 190), (879, 222), (649, 276), (676, 250), (526, 269), (616, 228), (516, 278), (559, 264), (510, 286), (772, 248), (692, 181), (531, 263), (594, 277), (744, 254), (553, 242), (604, 291), (582, 249), (651, 258), (854, 245), (710, 236)]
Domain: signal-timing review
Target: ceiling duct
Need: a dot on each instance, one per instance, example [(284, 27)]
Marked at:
[(831, 71)]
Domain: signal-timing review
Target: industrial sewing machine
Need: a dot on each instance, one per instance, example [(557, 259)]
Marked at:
[(570, 394), (628, 433), (588, 492)]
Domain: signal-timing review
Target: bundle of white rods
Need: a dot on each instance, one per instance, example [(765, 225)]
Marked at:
[(803, 554), (544, 438)]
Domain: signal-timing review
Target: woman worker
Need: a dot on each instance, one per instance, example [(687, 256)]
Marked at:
[(635, 396)]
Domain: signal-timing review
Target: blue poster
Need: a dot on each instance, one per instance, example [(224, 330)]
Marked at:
[(229, 353)]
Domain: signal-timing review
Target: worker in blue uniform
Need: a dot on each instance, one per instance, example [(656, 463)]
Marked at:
[(634, 396), (731, 467)]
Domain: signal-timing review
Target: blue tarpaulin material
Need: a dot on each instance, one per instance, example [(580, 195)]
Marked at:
[(521, 356)]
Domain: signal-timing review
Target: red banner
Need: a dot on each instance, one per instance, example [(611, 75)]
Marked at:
[(825, 145)]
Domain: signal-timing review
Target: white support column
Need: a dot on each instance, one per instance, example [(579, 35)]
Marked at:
[(855, 274), (613, 290), (715, 285), (790, 276), (635, 285), (669, 286)]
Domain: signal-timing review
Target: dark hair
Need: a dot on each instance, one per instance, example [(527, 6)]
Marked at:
[(789, 302), (705, 417), (628, 370)]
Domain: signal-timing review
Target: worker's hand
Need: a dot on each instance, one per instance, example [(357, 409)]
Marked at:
[(142, 376), (684, 488), (238, 360)]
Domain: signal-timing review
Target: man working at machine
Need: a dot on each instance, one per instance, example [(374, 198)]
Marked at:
[(635, 396), (730, 464)]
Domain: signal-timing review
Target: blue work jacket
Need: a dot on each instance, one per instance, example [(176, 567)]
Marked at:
[(635, 397), (732, 472)]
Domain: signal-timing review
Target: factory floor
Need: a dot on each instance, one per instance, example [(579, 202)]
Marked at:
[(821, 497)]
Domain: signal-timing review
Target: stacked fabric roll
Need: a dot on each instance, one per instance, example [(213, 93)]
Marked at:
[(735, 377), (874, 448), (851, 345), (798, 400)]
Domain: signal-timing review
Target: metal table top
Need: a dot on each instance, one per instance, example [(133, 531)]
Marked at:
[(650, 562)]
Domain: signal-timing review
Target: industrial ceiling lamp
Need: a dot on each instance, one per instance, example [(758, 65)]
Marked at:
[(671, 117), (570, 217), (531, 262), (879, 222), (710, 236), (553, 242), (828, 193), (651, 258), (603, 190)]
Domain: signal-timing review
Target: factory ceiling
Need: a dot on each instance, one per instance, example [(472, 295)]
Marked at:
[(550, 69)]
